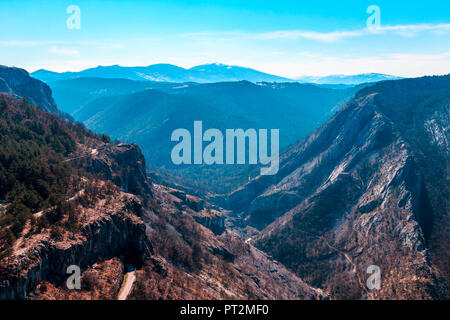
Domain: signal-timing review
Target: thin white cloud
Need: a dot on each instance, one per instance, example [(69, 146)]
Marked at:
[(311, 35), (402, 30), (27, 43), (101, 44), (419, 57), (333, 36), (65, 51), (417, 27)]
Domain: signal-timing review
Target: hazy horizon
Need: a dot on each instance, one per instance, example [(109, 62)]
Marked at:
[(288, 38), (205, 64)]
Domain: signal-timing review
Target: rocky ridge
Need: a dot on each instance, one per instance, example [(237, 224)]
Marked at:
[(356, 193)]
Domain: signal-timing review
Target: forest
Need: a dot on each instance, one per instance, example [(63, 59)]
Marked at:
[(33, 172)]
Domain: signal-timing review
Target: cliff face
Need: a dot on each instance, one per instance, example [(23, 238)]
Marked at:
[(109, 229), (359, 191), (18, 84), (88, 221), (202, 212), (113, 231), (124, 164)]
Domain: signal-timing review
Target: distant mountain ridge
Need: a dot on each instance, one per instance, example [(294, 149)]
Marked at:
[(215, 72), (207, 73), (348, 79)]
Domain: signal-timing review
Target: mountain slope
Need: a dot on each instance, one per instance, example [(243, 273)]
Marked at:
[(149, 117), (70, 197), (18, 83), (70, 95), (74, 94), (215, 72), (369, 187)]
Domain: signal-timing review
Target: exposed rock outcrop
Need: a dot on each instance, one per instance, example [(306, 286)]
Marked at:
[(18, 84), (111, 231), (213, 220), (199, 209), (124, 164)]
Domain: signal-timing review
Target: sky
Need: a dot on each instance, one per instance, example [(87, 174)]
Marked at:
[(286, 38)]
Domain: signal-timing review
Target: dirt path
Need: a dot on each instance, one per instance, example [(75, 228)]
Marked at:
[(90, 153), (127, 285)]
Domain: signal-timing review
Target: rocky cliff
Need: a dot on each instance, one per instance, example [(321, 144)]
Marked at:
[(18, 83), (199, 209), (112, 231), (124, 164), (361, 191), (88, 220)]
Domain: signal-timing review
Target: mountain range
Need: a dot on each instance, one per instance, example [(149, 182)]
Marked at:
[(208, 73), (215, 72), (348, 79)]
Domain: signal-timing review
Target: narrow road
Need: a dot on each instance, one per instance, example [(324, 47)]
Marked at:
[(127, 285), (91, 153)]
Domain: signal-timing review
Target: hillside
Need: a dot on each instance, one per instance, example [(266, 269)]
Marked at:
[(368, 187), (70, 95), (70, 197)]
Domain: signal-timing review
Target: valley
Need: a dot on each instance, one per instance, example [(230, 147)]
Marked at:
[(364, 183), (149, 115)]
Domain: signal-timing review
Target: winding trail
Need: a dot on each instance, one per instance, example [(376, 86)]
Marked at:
[(127, 285), (92, 152)]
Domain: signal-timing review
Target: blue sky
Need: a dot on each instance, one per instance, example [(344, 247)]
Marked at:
[(287, 38)]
